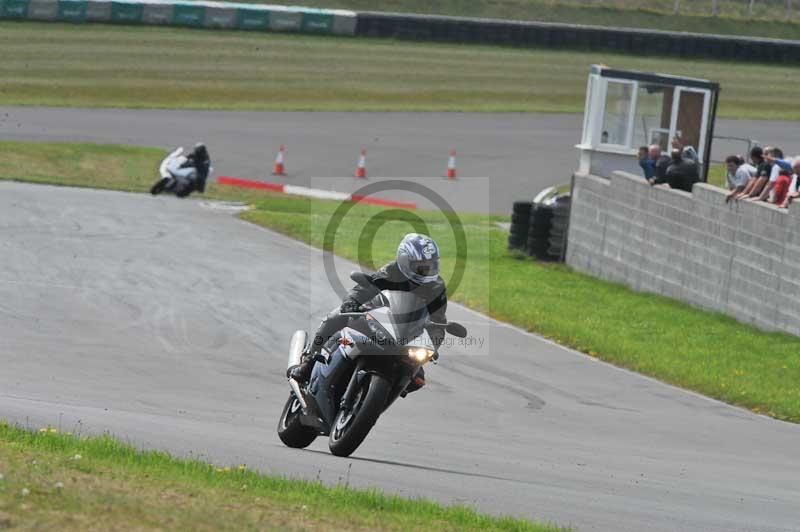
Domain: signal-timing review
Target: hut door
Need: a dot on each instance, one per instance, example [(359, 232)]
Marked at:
[(689, 118)]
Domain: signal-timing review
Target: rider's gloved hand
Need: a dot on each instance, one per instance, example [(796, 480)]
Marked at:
[(350, 305)]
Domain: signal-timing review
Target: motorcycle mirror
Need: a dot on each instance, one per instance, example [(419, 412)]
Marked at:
[(361, 278), (456, 329)]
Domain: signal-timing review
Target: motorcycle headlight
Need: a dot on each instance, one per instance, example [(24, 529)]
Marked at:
[(420, 354)]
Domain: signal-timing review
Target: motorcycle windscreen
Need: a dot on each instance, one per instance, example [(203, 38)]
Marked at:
[(408, 314)]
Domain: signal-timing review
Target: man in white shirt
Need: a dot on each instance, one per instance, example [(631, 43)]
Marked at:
[(738, 176), (755, 184)]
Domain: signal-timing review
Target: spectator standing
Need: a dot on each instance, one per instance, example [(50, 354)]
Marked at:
[(778, 164), (781, 187), (660, 163), (794, 186), (682, 172), (756, 160), (648, 167), (689, 153), (763, 170), (739, 174)]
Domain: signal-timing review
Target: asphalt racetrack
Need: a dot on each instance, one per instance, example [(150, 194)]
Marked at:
[(508, 156), (166, 322)]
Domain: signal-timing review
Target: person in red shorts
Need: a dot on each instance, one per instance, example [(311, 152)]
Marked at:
[(794, 187), (781, 188)]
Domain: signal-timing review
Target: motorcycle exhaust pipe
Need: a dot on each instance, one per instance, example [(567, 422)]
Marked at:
[(296, 347), (299, 394)]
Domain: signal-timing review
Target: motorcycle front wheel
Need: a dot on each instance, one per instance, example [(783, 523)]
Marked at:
[(158, 187), (351, 426), (291, 432)]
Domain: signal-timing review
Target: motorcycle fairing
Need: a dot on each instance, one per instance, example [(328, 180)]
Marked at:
[(404, 317), (171, 162)]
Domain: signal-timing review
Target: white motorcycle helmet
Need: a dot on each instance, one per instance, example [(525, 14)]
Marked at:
[(418, 258)]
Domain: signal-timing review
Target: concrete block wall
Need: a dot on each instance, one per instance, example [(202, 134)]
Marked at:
[(741, 259)]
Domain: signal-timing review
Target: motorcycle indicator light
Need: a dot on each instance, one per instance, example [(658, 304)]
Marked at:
[(376, 329)]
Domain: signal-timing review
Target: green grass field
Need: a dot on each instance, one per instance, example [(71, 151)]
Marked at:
[(117, 66), (84, 165), (655, 14), (672, 341), (54, 481)]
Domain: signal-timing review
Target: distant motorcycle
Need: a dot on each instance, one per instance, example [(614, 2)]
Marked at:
[(183, 174), (368, 365)]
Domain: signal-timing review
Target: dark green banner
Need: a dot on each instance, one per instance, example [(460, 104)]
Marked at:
[(13, 8), (183, 13), (317, 23), (72, 10), (252, 19), (126, 12), (188, 15)]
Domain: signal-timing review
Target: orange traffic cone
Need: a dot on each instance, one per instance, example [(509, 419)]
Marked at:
[(279, 169), (451, 165), (361, 169)]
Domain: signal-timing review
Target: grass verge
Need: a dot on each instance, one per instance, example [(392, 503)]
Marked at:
[(58, 481), (674, 342), (83, 165), (151, 67)]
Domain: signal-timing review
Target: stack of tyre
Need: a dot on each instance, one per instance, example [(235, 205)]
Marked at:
[(520, 220), (539, 231), (558, 228), (539, 227)]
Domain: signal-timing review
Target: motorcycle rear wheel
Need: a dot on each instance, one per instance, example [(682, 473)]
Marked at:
[(351, 427), (291, 432)]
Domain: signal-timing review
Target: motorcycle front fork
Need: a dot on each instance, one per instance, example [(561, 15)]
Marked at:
[(352, 387)]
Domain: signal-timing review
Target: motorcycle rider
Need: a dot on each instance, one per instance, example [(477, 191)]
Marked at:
[(416, 269), (191, 175)]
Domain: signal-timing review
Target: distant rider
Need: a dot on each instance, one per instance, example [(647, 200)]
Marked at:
[(190, 176), (416, 269)]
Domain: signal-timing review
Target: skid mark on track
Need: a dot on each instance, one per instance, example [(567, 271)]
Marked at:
[(492, 369), (432, 469), (533, 402)]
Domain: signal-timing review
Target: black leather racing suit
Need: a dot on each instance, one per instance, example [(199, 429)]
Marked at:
[(387, 278), (202, 166)]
